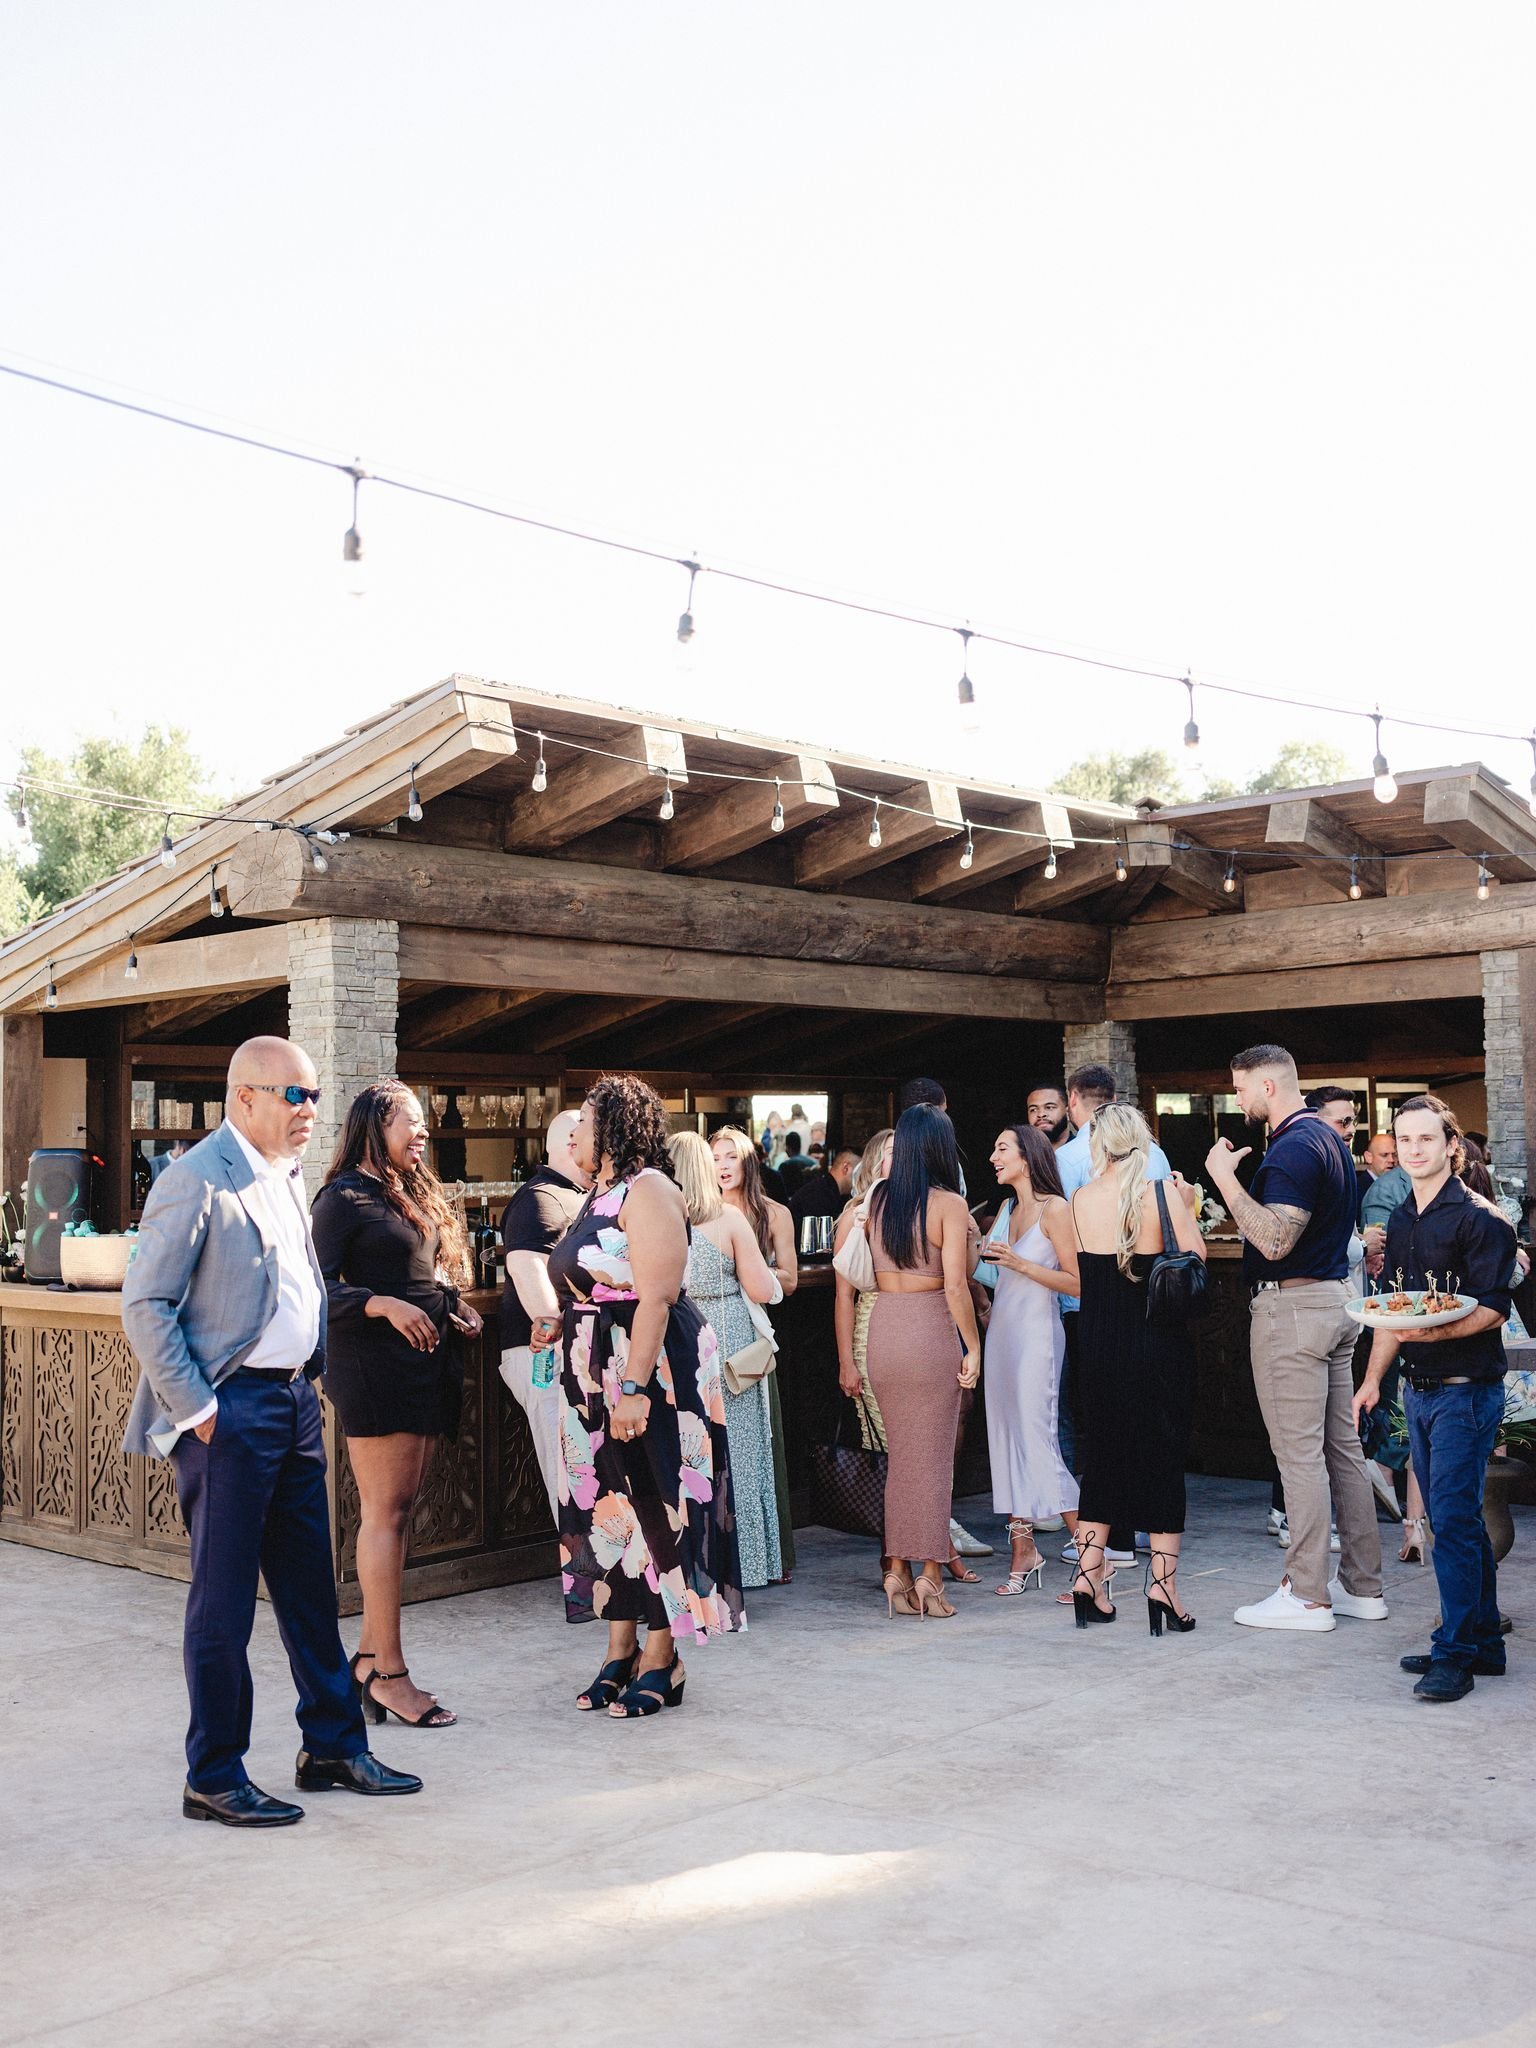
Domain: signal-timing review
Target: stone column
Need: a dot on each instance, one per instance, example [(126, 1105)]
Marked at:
[(1509, 1047), (343, 1006), (1111, 1045)]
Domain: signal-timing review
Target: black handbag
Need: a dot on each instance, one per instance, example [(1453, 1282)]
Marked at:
[(848, 1482), (1176, 1289)]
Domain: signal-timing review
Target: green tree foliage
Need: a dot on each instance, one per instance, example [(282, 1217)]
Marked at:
[(76, 844), (1127, 778)]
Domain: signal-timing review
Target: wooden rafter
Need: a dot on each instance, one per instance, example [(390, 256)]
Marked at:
[(1470, 813), (919, 815), (1088, 871), (587, 1020), (1329, 848), (938, 877), (739, 815), (236, 963), (589, 790), (1193, 872), (448, 1019)]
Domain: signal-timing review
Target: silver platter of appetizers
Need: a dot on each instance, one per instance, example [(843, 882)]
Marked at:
[(1412, 1308)]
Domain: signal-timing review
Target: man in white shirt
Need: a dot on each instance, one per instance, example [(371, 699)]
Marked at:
[(224, 1306)]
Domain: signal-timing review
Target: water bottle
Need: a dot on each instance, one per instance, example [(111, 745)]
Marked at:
[(544, 1366)]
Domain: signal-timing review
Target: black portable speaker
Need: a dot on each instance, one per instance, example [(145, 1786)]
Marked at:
[(58, 1192)]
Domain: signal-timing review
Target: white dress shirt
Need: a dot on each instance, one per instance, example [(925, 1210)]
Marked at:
[(276, 1199)]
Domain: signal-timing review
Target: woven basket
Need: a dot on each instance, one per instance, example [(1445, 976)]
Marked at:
[(94, 1261)]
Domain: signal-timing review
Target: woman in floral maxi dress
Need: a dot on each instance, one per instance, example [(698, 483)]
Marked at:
[(647, 1529)]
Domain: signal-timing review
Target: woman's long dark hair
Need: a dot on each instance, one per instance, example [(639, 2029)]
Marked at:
[(416, 1196), (1039, 1156), (925, 1157)]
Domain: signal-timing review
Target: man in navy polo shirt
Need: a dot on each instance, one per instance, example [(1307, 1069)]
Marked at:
[(1297, 1220)]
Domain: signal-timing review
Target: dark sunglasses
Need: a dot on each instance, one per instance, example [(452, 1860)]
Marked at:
[(292, 1095)]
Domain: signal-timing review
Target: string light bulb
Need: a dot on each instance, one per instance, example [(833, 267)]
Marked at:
[(1384, 785), (317, 859), (215, 901), (1050, 863), (1191, 730), (970, 717), (1229, 879), (131, 971), (1121, 871), (667, 806), (352, 541), (778, 806), (413, 801), (50, 993), (540, 771), (874, 825), (1355, 890), (1484, 879), (685, 623), (967, 859), (167, 849)]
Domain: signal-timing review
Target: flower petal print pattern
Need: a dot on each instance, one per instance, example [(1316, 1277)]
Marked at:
[(647, 1527)]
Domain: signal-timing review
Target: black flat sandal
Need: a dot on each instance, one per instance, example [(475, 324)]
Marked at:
[(649, 1693), (434, 1717), (608, 1684)]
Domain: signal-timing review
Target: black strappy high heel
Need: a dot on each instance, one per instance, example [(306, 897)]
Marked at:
[(357, 1683), (608, 1684), (649, 1693), (434, 1717), (1159, 1611), (1085, 1606)]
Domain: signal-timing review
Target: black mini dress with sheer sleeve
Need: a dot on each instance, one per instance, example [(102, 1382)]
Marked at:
[(376, 1380)]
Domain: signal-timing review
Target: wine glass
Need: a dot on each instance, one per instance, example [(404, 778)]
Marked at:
[(535, 1108), (512, 1108), (489, 1105), (439, 1102)]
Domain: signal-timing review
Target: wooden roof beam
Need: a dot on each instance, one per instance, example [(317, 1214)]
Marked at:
[(589, 790), (1470, 813), (739, 815), (235, 963), (445, 1020), (920, 815), (594, 1020), (938, 876), (1087, 871), (1325, 845), (174, 1017), (689, 1025), (1193, 872), (484, 740)]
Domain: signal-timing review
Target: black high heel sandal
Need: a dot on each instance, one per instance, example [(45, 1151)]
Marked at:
[(649, 1693), (434, 1717), (608, 1684), (352, 1664), (1085, 1606), (1159, 1611)]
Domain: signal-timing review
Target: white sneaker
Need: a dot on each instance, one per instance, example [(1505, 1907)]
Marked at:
[(967, 1544), (1276, 1522), (1069, 1551), (1283, 1610), (1359, 1607), (1282, 1535), (1119, 1557)]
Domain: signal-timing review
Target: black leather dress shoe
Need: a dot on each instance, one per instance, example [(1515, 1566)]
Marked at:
[(242, 1806), (1477, 1667), (361, 1773)]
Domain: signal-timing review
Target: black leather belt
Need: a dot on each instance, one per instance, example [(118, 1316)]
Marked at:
[(284, 1375)]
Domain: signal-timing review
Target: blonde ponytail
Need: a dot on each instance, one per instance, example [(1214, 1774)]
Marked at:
[(1118, 1137)]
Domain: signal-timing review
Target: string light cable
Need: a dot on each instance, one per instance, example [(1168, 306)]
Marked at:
[(778, 586)]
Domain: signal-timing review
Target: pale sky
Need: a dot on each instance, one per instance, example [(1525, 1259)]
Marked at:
[(1196, 334)]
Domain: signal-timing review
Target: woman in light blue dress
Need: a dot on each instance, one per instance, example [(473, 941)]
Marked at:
[(726, 1273)]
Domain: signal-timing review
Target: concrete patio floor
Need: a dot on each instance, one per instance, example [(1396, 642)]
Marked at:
[(993, 1829)]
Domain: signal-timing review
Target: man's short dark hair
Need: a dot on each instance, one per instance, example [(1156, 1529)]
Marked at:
[(921, 1091), (1055, 1088), (1093, 1084), (792, 1144), (1261, 1056), (1317, 1098)]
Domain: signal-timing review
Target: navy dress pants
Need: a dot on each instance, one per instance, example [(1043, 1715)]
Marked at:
[(254, 1501), (1451, 1432)]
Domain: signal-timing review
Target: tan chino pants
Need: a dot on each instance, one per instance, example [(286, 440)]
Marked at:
[(1302, 1344)]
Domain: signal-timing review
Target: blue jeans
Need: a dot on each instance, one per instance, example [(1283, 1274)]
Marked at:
[(1451, 1432)]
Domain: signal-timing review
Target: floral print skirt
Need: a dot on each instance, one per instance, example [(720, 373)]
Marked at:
[(647, 1526)]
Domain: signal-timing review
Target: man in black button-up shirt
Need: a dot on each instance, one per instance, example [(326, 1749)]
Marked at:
[(1454, 1392)]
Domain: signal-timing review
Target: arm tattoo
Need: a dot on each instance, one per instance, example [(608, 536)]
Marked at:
[(1271, 1232)]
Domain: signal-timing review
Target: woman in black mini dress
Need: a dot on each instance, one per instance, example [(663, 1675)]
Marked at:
[(394, 1255)]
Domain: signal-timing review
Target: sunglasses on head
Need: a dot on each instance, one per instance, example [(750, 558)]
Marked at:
[(293, 1095)]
